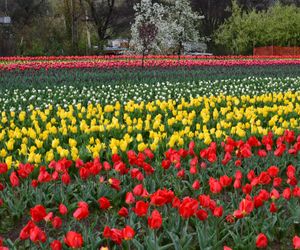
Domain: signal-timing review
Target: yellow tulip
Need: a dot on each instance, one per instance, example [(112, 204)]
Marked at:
[(55, 143)]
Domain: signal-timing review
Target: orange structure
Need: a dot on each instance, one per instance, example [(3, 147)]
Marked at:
[(276, 51)]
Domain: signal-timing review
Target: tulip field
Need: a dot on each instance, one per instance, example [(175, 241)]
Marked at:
[(198, 153)]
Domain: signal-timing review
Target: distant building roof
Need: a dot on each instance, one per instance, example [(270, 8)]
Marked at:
[(5, 20)]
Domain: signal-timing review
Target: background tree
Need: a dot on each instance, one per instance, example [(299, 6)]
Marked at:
[(72, 11), (102, 14), (215, 12), (184, 23), (148, 32), (25, 16), (279, 26), (64, 27)]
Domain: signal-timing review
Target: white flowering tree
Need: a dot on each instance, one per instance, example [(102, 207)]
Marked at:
[(158, 28), (149, 30), (183, 24)]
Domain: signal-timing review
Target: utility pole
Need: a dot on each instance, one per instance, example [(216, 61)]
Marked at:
[(74, 27), (88, 34)]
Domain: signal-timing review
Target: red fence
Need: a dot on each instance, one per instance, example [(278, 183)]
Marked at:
[(276, 51)]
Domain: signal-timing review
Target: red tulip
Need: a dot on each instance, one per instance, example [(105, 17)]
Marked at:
[(230, 218), (273, 171), (161, 197), (62, 209), (56, 245), (277, 182), (180, 173), (38, 213), (14, 180), (2, 186), (215, 186), (176, 202), (238, 175), (196, 184), (37, 235), (246, 206), (149, 153), (227, 158), (204, 200), (25, 232), (261, 241), (55, 176), (237, 184), (258, 201), (84, 173), (115, 158), (245, 150), (79, 163), (123, 212), (191, 148), (129, 199), (292, 181), (247, 188), (136, 174), (106, 232), (274, 195), (280, 150), (141, 208), (264, 178), (203, 165), (34, 183), (218, 211), (82, 211), (202, 214), (296, 192), (65, 178), (193, 169), (264, 194), (262, 153), (56, 222), (3, 168), (138, 190), (296, 242), (238, 163), (120, 167), (286, 194), (165, 164), (116, 235), (155, 220), (188, 207), (24, 170), (290, 172), (115, 183), (251, 175), (48, 217), (73, 239), (104, 203), (44, 176), (128, 233), (273, 208)]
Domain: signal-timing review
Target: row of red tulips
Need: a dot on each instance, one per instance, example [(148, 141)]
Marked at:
[(119, 63), (129, 57)]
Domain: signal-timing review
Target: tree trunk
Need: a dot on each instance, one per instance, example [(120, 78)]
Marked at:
[(179, 51), (74, 28), (143, 59)]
